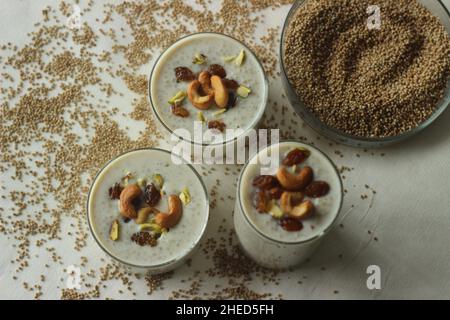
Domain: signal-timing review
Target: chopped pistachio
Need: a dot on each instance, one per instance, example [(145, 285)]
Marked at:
[(218, 113), (126, 179), (177, 98), (151, 226), (185, 196), (114, 230), (199, 58), (275, 211), (143, 215), (243, 91), (141, 182), (229, 58), (240, 58), (201, 117), (158, 180)]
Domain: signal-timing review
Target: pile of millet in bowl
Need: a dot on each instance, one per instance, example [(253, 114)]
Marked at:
[(370, 83)]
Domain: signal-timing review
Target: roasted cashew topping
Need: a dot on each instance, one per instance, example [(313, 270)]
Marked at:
[(205, 80), (197, 100), (173, 216), (303, 211), (290, 199), (220, 92), (127, 196), (295, 182)]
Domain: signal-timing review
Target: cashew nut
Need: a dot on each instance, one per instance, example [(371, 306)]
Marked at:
[(295, 182), (290, 199), (198, 101), (205, 80), (220, 92), (173, 216), (127, 196), (303, 211)]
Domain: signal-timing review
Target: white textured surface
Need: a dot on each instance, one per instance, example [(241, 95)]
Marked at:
[(410, 215)]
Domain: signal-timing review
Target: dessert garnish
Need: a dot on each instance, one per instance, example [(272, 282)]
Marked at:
[(114, 191), (114, 230), (158, 180), (145, 239), (178, 98), (201, 117), (240, 58), (179, 111), (283, 195), (184, 74), (138, 201), (237, 59), (221, 111), (207, 88), (243, 91), (199, 58), (217, 124), (229, 58), (185, 196), (217, 70), (230, 84)]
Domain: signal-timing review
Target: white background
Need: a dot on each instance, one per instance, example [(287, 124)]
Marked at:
[(409, 216)]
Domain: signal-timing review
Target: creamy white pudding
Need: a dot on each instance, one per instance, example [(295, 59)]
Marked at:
[(216, 49), (141, 168), (261, 234)]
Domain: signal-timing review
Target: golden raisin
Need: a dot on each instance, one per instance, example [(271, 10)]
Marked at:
[(317, 189), (151, 195), (217, 70), (184, 74), (180, 111), (265, 182), (217, 124), (295, 156)]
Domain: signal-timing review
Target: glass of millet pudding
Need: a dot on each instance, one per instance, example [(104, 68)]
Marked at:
[(146, 212), (282, 216), (210, 79)]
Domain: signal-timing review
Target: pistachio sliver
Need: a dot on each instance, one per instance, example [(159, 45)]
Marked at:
[(158, 180), (141, 182), (229, 58), (177, 98), (143, 215), (199, 58), (201, 117), (221, 111), (240, 58), (275, 211), (243, 91), (126, 179), (114, 230), (151, 226), (185, 196)]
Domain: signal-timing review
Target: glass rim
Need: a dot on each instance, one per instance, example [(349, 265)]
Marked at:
[(319, 235), (336, 133), (155, 266), (193, 142)]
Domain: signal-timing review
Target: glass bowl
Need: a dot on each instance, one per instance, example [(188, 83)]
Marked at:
[(438, 9)]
